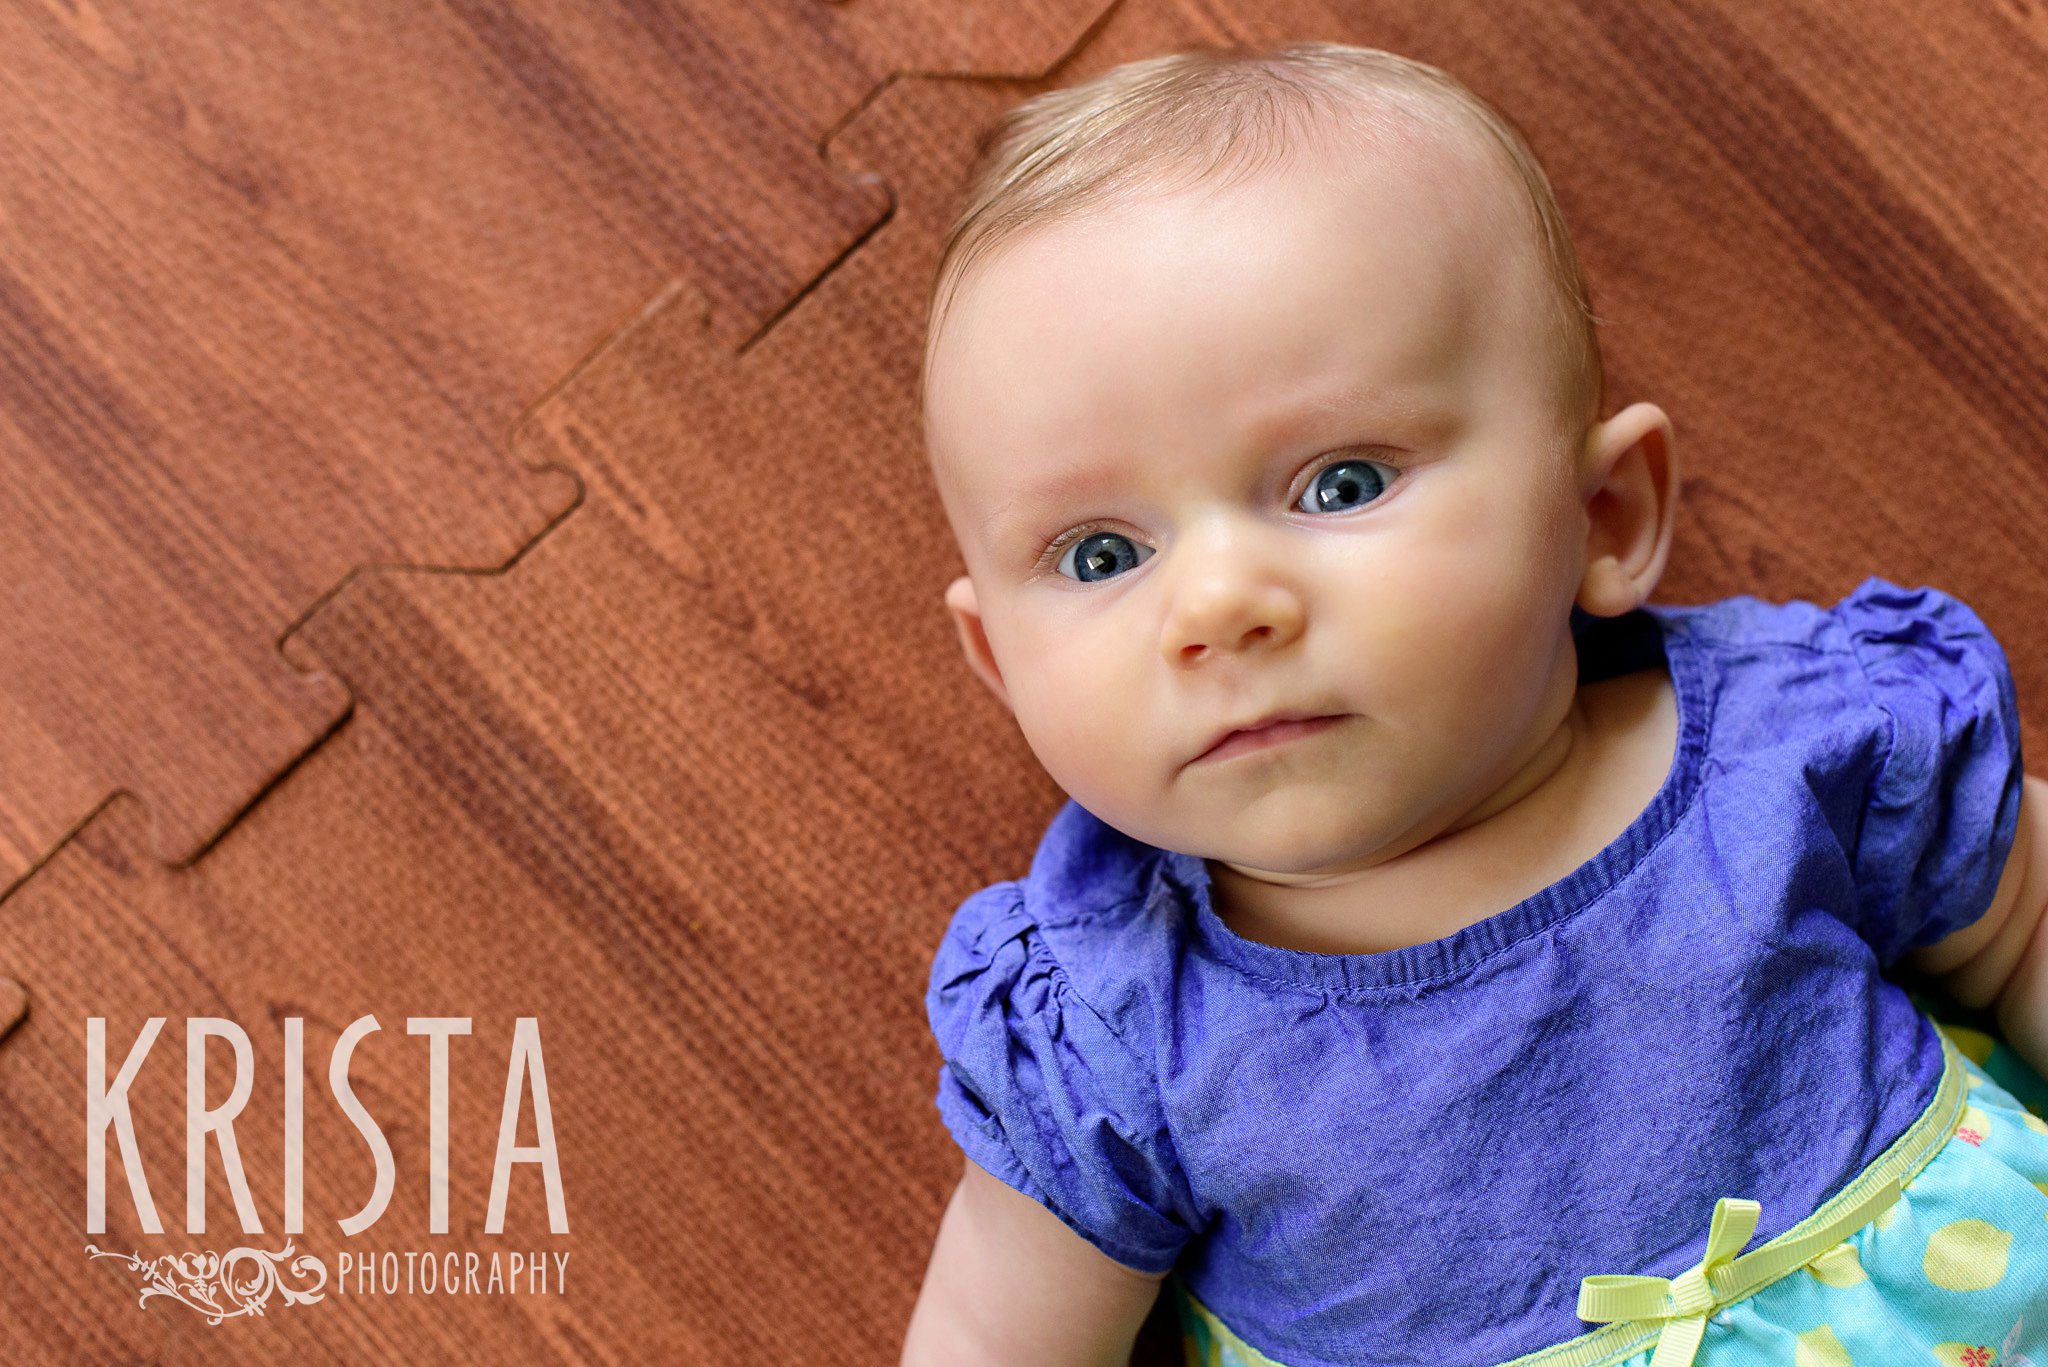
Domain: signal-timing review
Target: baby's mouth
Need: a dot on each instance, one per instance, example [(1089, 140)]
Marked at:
[(1265, 736)]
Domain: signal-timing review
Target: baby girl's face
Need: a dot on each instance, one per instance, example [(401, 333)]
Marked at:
[(1294, 444)]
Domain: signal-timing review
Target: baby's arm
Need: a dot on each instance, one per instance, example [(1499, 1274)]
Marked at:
[(2001, 959), (1009, 1283)]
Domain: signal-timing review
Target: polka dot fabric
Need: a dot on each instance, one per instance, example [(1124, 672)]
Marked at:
[(1953, 1274)]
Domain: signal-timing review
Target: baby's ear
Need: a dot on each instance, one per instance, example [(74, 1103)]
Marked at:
[(1630, 474), (960, 601)]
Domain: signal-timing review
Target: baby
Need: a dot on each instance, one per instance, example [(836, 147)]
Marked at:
[(1448, 955)]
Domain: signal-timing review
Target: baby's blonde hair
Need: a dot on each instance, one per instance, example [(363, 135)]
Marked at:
[(1137, 126)]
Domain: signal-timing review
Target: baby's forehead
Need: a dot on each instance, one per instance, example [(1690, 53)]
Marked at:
[(1445, 176), (1419, 230), (1405, 244), (1473, 197)]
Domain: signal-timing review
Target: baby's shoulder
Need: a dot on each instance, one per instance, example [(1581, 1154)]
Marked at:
[(1095, 927), (1779, 671), (1762, 680), (1873, 619), (1892, 712), (1745, 625)]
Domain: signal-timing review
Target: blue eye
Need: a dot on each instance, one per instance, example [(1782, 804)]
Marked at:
[(1101, 555), (1346, 485)]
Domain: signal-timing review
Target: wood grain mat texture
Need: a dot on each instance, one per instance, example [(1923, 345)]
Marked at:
[(697, 782), (393, 226), (276, 282)]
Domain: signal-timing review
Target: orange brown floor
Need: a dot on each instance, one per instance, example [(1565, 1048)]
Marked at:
[(414, 614)]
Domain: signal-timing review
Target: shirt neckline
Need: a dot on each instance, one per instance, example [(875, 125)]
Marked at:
[(1463, 948)]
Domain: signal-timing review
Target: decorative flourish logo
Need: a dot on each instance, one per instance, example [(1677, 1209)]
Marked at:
[(210, 1284)]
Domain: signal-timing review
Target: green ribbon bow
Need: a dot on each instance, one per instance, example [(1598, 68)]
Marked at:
[(1685, 1301)]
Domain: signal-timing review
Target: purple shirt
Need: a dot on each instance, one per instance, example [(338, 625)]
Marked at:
[(1414, 1156)]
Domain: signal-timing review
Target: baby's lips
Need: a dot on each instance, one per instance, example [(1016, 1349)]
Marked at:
[(1271, 719)]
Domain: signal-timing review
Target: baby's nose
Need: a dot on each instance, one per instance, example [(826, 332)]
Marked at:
[(1230, 609)]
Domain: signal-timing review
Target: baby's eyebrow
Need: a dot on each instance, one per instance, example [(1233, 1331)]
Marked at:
[(1026, 502)]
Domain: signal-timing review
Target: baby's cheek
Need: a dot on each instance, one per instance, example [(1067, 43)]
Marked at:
[(1071, 704), (1057, 697), (1456, 629)]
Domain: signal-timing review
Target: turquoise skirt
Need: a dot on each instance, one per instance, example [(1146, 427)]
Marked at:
[(1935, 1255)]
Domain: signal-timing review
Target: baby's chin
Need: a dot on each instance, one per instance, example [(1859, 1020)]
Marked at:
[(1293, 863), (1276, 842)]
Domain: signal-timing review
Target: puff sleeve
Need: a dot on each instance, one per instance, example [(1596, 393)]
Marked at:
[(1036, 1088), (1943, 804)]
